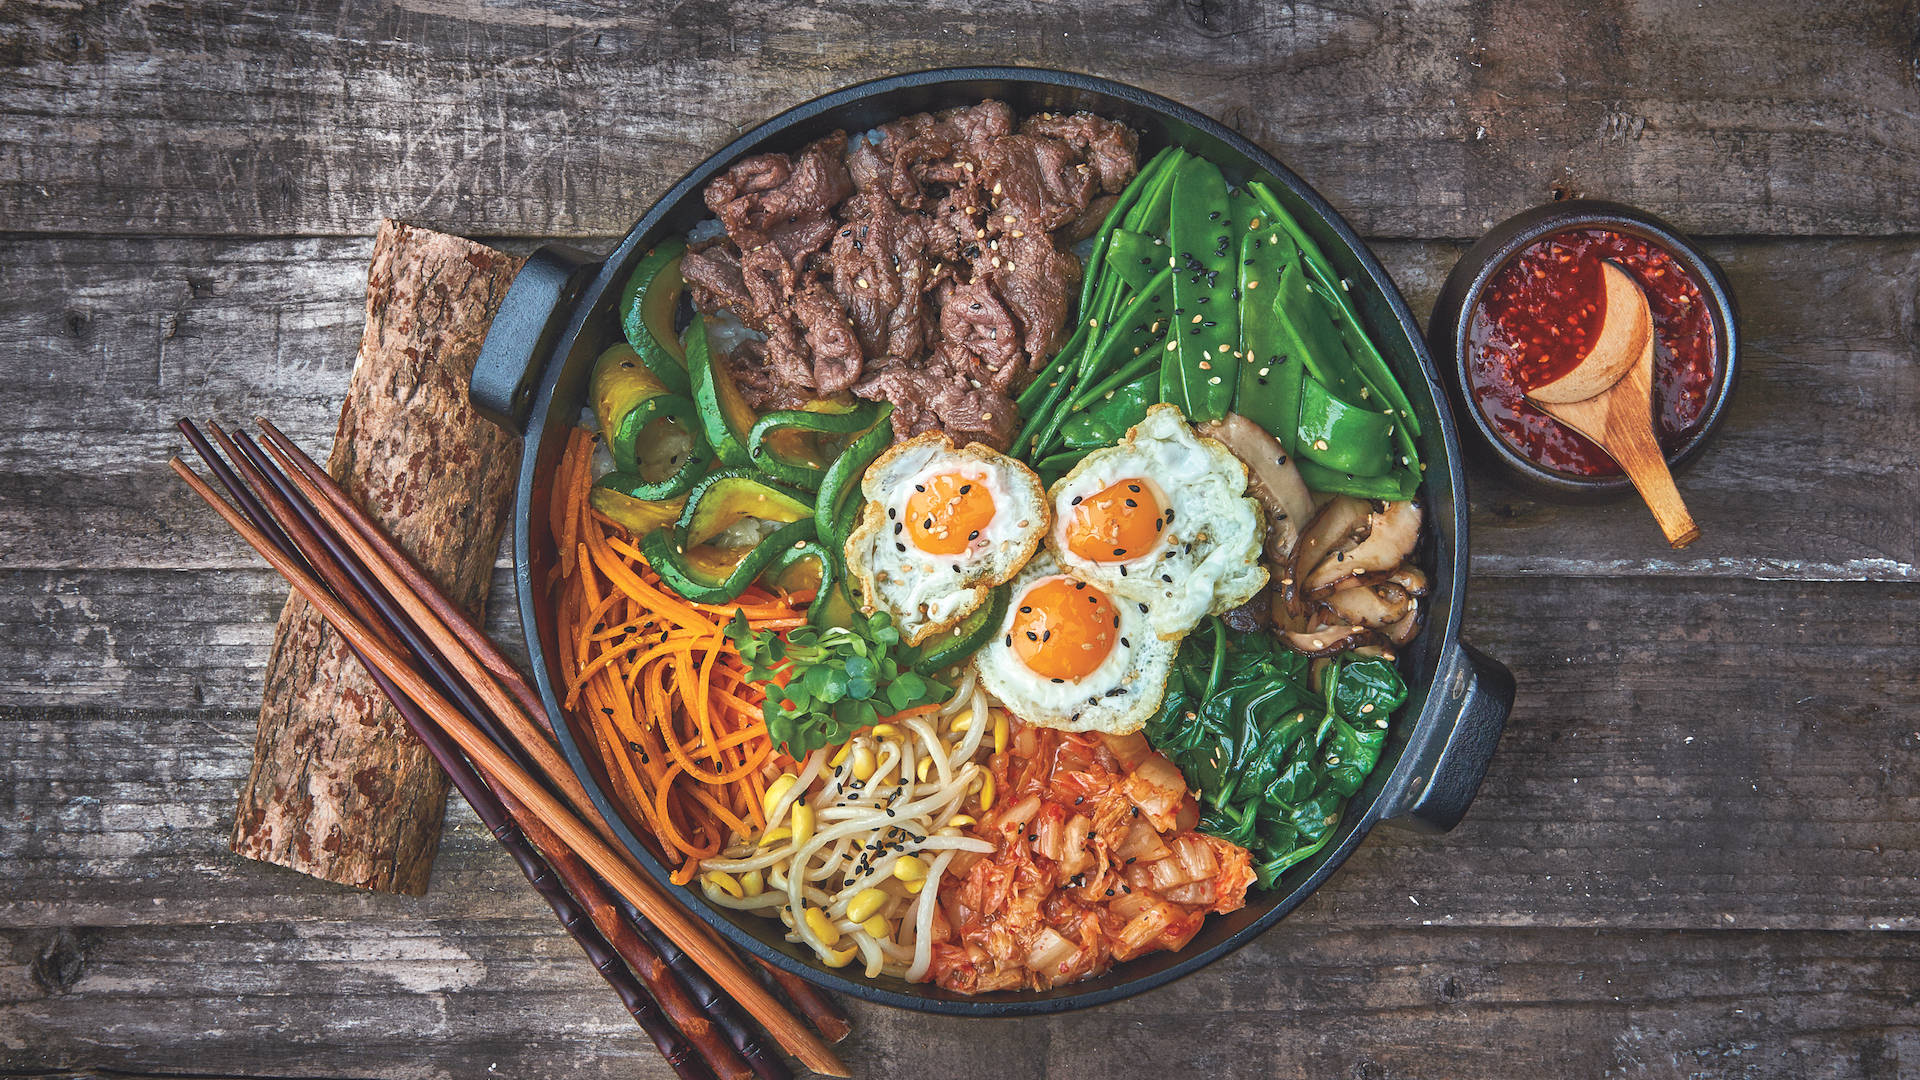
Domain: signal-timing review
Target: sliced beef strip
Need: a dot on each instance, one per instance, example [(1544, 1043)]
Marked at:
[(830, 339), (979, 338), (1036, 184), (713, 278), (1111, 150), (933, 396), (770, 281), (1038, 282), (785, 202), (941, 149), (747, 364), (1088, 222), (881, 272), (918, 289)]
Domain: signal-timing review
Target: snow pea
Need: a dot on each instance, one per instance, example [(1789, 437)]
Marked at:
[(1135, 256), (1108, 420), (1150, 214), (1131, 338), (1341, 436), (1201, 238), (1269, 390), (1327, 285)]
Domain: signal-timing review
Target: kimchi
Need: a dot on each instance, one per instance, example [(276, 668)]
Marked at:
[(1095, 861)]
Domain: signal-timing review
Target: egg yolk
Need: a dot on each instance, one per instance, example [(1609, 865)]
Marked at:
[(947, 512), (1064, 629), (1120, 523)]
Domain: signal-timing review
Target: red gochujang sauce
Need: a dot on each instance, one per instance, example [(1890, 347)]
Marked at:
[(1540, 314)]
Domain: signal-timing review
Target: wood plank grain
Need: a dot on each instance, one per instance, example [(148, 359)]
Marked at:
[(1418, 120), (1683, 754), (111, 340), (429, 999)]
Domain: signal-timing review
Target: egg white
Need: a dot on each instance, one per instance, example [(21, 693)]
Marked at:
[(1207, 558), (1117, 697), (924, 592)]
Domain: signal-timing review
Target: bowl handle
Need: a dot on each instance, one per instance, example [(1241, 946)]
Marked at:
[(1448, 763), (520, 340)]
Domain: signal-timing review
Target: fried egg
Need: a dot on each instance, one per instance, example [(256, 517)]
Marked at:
[(941, 527), (1162, 518), (1071, 656)]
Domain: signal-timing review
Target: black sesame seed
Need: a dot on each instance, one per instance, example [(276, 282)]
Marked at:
[(1075, 502), (1124, 643)]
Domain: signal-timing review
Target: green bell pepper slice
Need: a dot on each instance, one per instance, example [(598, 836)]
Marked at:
[(726, 419), (796, 446), (956, 645), (730, 496), (840, 488), (665, 550), (647, 304), (787, 562)]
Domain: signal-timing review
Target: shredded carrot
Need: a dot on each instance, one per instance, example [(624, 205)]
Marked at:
[(657, 683)]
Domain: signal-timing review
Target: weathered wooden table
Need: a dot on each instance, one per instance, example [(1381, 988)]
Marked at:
[(1696, 854)]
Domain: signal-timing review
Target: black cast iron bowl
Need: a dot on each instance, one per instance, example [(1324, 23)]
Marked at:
[(1450, 328), (560, 314)]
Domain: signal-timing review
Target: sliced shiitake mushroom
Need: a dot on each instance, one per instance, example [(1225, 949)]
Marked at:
[(1373, 608), (1409, 577), (1328, 640), (1390, 538), (1271, 480), (1403, 631)]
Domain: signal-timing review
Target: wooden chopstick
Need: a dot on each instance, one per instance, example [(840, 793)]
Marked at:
[(323, 553), (296, 539), (523, 731), (321, 488), (403, 566), (659, 908)]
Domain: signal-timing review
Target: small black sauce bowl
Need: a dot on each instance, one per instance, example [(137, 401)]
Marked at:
[(1447, 332)]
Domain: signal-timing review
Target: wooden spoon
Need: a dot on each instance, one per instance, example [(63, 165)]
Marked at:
[(1608, 397)]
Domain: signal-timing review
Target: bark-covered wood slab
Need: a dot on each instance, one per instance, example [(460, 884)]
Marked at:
[(339, 789)]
